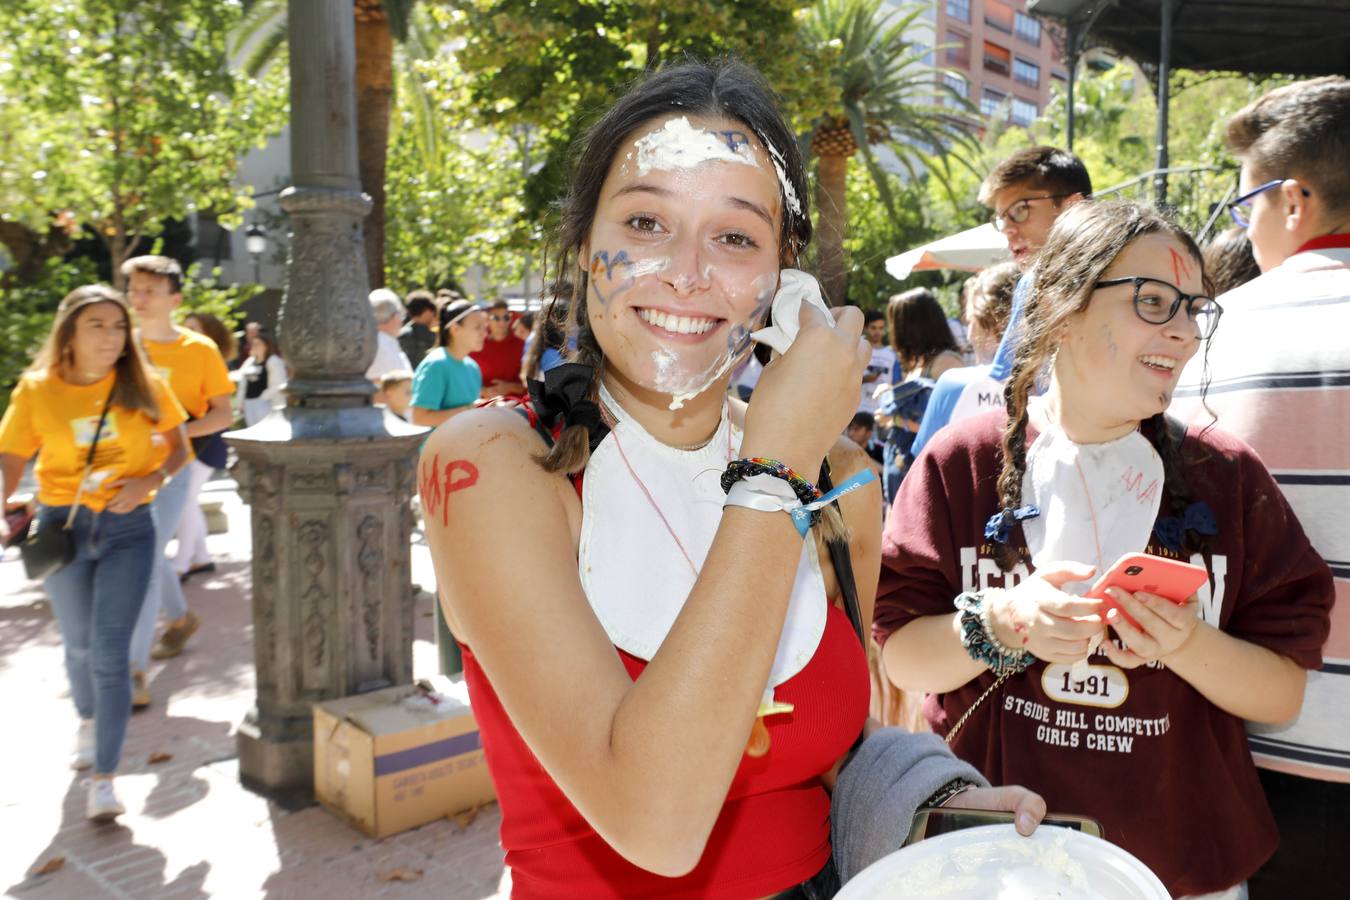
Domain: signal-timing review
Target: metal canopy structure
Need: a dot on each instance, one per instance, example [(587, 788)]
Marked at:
[(1289, 37), (1293, 37)]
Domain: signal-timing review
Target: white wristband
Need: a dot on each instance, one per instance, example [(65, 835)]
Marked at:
[(764, 493)]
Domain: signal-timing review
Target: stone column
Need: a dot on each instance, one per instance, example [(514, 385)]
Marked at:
[(329, 476)]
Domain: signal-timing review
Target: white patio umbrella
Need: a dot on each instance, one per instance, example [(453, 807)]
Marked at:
[(969, 251)]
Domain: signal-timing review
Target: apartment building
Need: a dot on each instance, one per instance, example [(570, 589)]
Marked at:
[(999, 57)]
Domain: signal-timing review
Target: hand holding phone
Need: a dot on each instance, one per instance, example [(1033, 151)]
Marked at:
[(1134, 572)]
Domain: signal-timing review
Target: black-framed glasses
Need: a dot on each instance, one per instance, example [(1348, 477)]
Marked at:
[(500, 317), (1019, 210), (1157, 302)]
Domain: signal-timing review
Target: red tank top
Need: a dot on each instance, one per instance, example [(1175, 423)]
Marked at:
[(774, 829)]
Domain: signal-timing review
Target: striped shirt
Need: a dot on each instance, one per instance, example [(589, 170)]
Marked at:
[(1280, 370)]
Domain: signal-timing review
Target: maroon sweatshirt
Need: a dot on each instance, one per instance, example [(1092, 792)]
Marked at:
[(1166, 772)]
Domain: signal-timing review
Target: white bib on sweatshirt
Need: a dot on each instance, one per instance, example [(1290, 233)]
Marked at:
[(1097, 501), (634, 573)]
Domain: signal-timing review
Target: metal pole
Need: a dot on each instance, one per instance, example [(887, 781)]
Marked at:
[(1072, 46), (329, 477), (1164, 76)]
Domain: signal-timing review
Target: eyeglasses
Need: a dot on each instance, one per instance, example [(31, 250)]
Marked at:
[(1157, 302), (500, 317), (1019, 210), (1240, 209)]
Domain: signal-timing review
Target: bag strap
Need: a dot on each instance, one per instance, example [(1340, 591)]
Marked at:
[(998, 683), (89, 458)]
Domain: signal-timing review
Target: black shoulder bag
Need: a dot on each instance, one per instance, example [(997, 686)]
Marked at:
[(52, 547)]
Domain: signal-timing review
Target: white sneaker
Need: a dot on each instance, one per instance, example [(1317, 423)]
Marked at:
[(103, 805), (83, 757)]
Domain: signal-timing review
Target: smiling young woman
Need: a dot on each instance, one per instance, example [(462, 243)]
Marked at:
[(661, 681), (107, 434), (1145, 731)]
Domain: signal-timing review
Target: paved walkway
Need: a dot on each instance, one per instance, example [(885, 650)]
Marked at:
[(191, 830)]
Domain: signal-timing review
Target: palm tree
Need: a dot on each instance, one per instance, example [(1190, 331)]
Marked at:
[(379, 23), (888, 96)]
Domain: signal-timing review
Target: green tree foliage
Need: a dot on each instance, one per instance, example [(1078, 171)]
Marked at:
[(204, 292), (452, 181), (26, 311), (556, 65), (875, 234), (119, 114)]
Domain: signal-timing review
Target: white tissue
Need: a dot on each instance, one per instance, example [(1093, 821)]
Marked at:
[(794, 288)]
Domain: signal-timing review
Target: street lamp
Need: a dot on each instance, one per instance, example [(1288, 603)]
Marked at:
[(255, 239)]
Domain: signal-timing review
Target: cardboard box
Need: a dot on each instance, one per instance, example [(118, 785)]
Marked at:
[(391, 760)]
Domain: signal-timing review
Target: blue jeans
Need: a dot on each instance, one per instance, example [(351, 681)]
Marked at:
[(165, 591), (96, 599)]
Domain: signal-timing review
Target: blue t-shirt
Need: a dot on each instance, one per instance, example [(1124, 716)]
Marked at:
[(443, 382), (975, 388), (1007, 346)]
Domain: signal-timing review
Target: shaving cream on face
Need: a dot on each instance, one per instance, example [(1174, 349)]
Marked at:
[(679, 145)]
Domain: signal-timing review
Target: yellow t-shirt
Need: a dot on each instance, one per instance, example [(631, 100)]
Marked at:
[(193, 367), (56, 420)]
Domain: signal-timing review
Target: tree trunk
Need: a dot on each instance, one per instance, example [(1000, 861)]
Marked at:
[(832, 225), (374, 99), (29, 251), (119, 251)]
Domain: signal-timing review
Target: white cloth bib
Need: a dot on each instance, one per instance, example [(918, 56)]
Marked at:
[(633, 572), (1097, 501)]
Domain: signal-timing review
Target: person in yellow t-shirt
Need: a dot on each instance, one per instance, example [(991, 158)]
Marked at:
[(91, 369), (196, 373)]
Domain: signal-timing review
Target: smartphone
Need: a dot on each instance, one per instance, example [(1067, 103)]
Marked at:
[(931, 822), (1168, 578)]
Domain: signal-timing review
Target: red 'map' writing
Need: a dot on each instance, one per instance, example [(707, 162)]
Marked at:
[(435, 484)]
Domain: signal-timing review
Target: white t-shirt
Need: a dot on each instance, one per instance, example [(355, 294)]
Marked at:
[(1280, 380), (880, 366), (389, 357)]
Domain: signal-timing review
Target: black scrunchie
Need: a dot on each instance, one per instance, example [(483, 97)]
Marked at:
[(563, 395)]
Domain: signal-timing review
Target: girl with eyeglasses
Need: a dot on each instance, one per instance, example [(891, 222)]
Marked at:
[(1007, 519)]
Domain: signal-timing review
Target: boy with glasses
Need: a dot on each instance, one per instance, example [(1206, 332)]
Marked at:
[(1028, 191), (501, 355), (1280, 370)]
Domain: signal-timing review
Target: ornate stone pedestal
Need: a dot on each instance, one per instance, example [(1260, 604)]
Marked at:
[(332, 601)]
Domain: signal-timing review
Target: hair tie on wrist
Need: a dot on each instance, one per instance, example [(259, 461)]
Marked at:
[(999, 526), (1198, 518)]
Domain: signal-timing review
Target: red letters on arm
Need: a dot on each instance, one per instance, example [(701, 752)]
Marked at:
[(435, 484)]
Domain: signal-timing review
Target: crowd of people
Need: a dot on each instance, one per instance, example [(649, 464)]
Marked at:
[(744, 571)]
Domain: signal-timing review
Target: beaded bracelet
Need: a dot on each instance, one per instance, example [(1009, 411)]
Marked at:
[(759, 465), (977, 636)]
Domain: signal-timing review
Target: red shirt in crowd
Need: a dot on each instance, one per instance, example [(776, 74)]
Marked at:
[(1167, 773), (500, 360)]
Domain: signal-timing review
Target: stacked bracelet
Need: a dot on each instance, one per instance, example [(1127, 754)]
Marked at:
[(757, 465), (977, 636)]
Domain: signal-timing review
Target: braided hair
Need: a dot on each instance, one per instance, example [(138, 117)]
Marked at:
[(1082, 245), (725, 89)]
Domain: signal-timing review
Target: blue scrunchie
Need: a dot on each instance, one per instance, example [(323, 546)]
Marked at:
[(999, 526), (1198, 518)]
